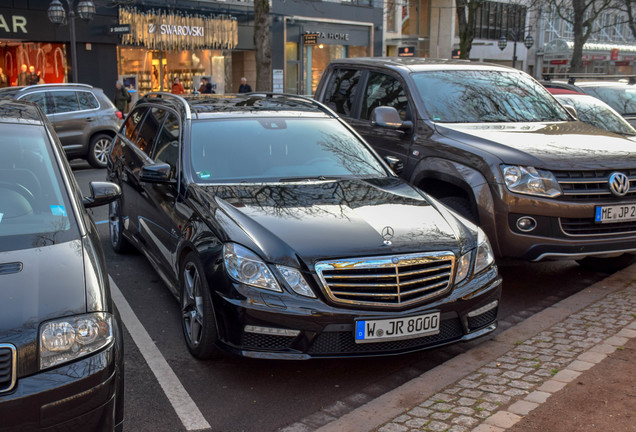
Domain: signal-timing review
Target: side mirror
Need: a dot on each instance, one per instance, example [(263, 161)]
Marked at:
[(388, 117), (157, 173), (101, 193), (394, 163), (572, 111)]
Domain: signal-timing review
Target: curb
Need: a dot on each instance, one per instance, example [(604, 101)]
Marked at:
[(407, 408)]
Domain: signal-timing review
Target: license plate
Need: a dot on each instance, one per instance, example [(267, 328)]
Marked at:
[(397, 328), (615, 213)]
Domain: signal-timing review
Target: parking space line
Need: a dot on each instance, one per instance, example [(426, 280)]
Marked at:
[(184, 406)]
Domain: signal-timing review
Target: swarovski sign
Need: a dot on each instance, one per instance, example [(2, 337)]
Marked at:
[(182, 30)]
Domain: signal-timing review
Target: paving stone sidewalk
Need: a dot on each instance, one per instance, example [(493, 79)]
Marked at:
[(500, 393)]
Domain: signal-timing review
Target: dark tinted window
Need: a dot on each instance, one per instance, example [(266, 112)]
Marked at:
[(482, 96), (150, 129), (64, 101), (87, 100), (134, 119), (384, 90), (167, 145), (38, 98), (341, 91)]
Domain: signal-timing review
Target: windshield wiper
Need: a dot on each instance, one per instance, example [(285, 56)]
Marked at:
[(307, 179)]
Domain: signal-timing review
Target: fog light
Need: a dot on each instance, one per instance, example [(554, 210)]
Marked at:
[(483, 309), (272, 331), (526, 224)]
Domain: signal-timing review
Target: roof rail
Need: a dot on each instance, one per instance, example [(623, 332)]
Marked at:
[(572, 77), (309, 100), (55, 84), (165, 95)]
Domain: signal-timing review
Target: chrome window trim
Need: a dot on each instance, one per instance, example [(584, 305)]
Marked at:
[(49, 90), (386, 261), (14, 367)]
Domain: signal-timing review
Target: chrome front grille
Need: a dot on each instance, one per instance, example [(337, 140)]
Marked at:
[(393, 281), (7, 367), (592, 185)]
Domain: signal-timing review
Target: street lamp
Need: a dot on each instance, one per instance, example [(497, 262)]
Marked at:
[(503, 42), (57, 15)]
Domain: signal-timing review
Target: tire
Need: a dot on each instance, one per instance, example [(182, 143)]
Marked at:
[(461, 206), (197, 313), (98, 150), (118, 242), (607, 265)]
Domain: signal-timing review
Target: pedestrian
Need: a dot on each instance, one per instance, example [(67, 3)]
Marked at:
[(177, 87), (32, 77), (206, 87), (23, 76), (4, 79), (122, 97), (244, 87)]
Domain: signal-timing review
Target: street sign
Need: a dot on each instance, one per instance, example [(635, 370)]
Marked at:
[(310, 39), (119, 29)]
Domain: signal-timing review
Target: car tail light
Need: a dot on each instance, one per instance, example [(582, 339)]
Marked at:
[(119, 115)]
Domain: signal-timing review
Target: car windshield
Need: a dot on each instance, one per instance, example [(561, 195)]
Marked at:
[(34, 210), (595, 112), (278, 149), (481, 96), (622, 99)]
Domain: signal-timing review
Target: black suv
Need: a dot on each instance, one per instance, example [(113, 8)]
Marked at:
[(84, 119), (61, 340), (285, 236), (493, 144)]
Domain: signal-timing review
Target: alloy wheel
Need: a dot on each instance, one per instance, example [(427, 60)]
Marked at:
[(192, 304)]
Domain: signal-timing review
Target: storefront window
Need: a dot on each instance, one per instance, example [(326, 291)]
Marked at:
[(153, 70), (318, 57), (48, 59), (291, 76)]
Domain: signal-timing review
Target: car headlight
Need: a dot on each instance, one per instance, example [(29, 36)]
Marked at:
[(246, 267), (67, 339), (530, 181), (463, 267), (484, 256), (296, 281)]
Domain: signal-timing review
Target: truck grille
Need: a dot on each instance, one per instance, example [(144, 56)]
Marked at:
[(7, 367), (393, 281), (592, 185), (587, 226)]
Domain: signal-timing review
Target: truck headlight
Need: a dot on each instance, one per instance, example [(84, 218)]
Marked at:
[(530, 181), (67, 339)]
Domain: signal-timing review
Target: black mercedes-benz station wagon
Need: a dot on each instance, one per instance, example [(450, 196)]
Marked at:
[(285, 236), (61, 342)]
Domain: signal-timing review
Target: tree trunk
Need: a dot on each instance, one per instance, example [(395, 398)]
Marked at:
[(576, 63), (262, 45), (466, 10), (631, 16)]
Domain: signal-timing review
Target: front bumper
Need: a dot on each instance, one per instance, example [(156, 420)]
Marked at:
[(326, 331), (79, 396)]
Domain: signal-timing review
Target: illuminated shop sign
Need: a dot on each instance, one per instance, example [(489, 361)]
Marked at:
[(13, 24), (157, 29)]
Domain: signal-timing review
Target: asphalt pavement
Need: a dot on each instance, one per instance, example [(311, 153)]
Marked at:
[(501, 382)]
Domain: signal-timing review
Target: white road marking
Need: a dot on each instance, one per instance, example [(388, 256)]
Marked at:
[(183, 405)]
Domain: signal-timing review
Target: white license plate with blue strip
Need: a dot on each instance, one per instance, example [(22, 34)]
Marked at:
[(615, 213), (397, 328)]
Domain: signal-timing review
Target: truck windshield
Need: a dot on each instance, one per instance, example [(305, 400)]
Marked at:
[(484, 96)]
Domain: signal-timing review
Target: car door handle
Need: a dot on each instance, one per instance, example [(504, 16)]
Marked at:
[(89, 119)]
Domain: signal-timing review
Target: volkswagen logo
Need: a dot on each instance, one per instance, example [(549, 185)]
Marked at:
[(619, 184), (387, 233)]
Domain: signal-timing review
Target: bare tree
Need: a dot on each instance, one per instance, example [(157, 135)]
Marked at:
[(466, 11), (628, 7), (263, 45), (581, 15)]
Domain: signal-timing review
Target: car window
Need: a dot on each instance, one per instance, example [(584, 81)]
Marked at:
[(131, 126), (621, 99), (482, 96), (150, 129), (64, 101), (38, 98), (384, 90), (278, 149), (167, 146), (595, 112), (34, 206), (341, 91), (87, 100)]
